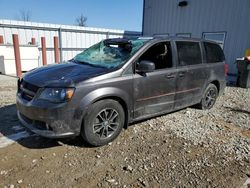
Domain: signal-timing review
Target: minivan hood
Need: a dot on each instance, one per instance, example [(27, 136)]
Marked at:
[(62, 75)]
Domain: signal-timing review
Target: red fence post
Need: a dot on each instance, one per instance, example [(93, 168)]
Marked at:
[(17, 55), (44, 56), (1, 39), (56, 49), (33, 41)]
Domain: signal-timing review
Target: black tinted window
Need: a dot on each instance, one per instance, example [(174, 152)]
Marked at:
[(214, 53), (160, 54), (189, 53)]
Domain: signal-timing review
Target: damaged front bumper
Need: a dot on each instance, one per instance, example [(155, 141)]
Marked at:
[(48, 120), (45, 132)]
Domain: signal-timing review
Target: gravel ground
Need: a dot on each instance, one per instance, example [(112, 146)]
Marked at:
[(226, 126), (7, 90), (187, 148)]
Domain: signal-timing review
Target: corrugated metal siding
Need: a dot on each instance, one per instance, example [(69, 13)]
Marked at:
[(231, 16), (74, 38)]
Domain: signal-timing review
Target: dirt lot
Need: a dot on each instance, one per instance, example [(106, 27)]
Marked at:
[(188, 148)]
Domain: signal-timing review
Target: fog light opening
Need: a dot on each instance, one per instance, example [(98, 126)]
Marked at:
[(48, 127)]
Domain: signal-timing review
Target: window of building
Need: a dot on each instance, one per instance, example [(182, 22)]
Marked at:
[(189, 53), (218, 37), (183, 35), (160, 54), (214, 53)]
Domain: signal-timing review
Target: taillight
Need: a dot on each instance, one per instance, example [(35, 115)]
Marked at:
[(226, 69)]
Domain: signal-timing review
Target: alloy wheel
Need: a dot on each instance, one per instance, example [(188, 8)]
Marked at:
[(210, 98), (106, 123)]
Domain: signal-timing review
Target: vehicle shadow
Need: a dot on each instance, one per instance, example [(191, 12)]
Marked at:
[(11, 130)]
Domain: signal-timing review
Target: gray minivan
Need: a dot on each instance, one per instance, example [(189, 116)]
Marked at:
[(119, 81)]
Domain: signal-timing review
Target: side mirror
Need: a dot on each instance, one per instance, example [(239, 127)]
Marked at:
[(145, 66)]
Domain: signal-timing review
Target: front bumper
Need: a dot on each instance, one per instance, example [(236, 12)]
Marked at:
[(47, 119), (45, 133)]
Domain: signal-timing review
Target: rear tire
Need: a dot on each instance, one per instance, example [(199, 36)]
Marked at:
[(209, 97), (103, 123)]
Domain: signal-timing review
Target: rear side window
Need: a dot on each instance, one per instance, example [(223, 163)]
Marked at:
[(214, 53), (189, 53)]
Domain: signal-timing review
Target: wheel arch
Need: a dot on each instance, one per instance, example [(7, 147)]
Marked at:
[(217, 84), (107, 93)]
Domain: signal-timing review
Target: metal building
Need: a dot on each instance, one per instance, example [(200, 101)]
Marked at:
[(225, 21)]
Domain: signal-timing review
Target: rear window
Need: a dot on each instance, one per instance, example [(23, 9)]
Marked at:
[(214, 53), (189, 53)]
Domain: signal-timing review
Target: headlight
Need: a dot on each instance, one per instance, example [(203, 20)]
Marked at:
[(57, 94)]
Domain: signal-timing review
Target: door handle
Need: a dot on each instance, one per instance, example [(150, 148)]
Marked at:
[(181, 74), (169, 76)]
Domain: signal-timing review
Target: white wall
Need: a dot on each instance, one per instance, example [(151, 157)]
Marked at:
[(29, 58), (74, 38)]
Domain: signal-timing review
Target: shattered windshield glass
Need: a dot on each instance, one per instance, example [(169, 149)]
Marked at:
[(110, 53)]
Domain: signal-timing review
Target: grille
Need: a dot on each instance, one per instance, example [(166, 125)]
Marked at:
[(36, 124), (27, 90)]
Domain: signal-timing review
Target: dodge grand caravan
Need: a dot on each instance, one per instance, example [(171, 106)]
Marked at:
[(119, 81)]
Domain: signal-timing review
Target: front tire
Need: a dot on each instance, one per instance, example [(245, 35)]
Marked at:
[(209, 97), (103, 123)]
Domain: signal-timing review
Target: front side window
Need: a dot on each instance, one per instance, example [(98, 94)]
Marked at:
[(214, 53), (189, 53), (110, 53), (160, 54)]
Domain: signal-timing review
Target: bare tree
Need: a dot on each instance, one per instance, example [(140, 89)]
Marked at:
[(25, 15), (81, 20)]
